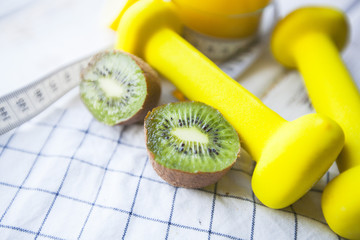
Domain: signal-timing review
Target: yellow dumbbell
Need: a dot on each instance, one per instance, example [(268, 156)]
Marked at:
[(310, 39), (291, 156)]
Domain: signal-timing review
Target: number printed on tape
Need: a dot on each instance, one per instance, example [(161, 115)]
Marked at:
[(23, 104)]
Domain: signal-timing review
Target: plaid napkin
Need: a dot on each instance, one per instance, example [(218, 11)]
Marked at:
[(63, 175)]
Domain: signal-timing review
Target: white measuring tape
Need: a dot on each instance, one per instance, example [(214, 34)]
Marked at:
[(217, 49), (27, 102)]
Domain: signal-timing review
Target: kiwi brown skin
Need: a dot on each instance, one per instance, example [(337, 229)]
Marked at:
[(153, 85), (184, 179)]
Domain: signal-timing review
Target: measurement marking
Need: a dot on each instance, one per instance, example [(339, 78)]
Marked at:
[(25, 103)]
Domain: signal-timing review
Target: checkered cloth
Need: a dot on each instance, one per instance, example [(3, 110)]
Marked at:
[(63, 175)]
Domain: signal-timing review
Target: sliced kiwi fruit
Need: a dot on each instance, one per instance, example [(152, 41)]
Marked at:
[(119, 88), (190, 144)]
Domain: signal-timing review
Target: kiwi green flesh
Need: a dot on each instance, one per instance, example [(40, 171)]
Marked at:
[(191, 137), (113, 87)]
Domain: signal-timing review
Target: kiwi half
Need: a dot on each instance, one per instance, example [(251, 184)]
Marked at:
[(190, 144), (119, 88)]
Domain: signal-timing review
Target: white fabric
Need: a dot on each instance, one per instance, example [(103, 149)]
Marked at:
[(63, 175)]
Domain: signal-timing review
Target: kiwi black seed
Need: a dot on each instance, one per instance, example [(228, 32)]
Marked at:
[(190, 144), (119, 88)]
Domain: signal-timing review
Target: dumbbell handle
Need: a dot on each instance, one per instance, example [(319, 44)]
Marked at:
[(331, 89)]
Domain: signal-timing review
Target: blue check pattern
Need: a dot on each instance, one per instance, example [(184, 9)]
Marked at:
[(64, 179), (63, 175)]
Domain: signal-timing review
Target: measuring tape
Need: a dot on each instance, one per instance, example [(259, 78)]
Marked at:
[(217, 49), (27, 102)]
